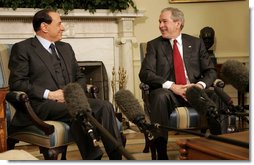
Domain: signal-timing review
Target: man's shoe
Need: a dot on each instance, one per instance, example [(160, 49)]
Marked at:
[(161, 148), (115, 155), (95, 154)]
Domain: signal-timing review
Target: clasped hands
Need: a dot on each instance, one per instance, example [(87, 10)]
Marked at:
[(180, 90), (57, 96)]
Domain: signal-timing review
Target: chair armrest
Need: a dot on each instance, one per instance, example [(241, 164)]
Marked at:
[(93, 91), (20, 101), (144, 87)]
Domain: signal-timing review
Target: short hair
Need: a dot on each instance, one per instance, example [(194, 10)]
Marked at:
[(41, 16), (176, 15)]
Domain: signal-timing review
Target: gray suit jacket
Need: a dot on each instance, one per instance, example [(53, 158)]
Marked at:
[(157, 67), (32, 71)]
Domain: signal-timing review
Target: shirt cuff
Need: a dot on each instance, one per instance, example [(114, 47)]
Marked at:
[(167, 84), (46, 93)]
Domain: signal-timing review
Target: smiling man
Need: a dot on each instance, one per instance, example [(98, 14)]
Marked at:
[(174, 61)]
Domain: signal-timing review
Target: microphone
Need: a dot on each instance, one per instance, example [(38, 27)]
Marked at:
[(224, 96), (89, 128), (235, 73), (227, 100), (219, 83), (131, 108), (78, 106), (201, 102)]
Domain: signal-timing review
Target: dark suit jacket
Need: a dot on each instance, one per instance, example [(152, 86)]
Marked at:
[(157, 67), (32, 71)]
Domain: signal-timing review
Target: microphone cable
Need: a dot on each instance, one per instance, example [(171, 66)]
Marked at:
[(209, 136)]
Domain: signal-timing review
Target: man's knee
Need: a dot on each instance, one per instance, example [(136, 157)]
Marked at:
[(160, 95)]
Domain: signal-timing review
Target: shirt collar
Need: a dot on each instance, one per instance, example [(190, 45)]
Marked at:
[(179, 40), (45, 43)]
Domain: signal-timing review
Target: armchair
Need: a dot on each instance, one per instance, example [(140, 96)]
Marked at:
[(52, 137)]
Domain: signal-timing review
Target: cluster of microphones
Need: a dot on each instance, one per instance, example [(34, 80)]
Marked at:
[(232, 72)]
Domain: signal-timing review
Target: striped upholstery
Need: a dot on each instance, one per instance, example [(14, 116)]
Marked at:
[(4, 58), (184, 118), (31, 134)]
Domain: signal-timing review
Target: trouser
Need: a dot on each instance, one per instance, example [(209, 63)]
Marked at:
[(102, 111), (162, 102)]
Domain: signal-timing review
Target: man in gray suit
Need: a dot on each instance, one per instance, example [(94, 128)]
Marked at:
[(35, 70), (158, 71)]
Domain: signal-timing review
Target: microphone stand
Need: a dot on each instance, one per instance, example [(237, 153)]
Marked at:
[(107, 135), (209, 136)]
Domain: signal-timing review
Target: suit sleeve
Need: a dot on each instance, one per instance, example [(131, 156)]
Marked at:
[(207, 68), (151, 73), (19, 67)]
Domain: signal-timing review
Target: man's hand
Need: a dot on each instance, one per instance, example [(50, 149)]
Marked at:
[(197, 85), (57, 96), (179, 90)]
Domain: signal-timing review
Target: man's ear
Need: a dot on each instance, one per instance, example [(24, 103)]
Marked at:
[(179, 24), (44, 27)]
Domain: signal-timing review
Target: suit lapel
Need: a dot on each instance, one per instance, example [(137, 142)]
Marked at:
[(167, 49), (44, 55), (187, 51)]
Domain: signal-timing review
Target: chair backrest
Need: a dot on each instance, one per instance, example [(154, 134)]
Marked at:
[(5, 50), (142, 50)]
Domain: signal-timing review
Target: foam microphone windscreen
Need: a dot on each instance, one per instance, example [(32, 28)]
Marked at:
[(235, 73), (199, 100), (75, 99), (129, 105)]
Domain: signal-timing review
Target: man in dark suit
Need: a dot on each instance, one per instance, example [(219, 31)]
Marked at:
[(158, 71), (35, 70)]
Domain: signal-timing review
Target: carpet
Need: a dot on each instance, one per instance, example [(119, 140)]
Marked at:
[(134, 145)]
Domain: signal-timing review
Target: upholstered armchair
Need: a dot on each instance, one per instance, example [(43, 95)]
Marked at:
[(52, 137)]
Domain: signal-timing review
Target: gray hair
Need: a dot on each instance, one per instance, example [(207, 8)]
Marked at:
[(176, 15)]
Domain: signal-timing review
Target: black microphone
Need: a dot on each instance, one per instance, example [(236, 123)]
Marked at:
[(78, 107), (131, 108), (219, 83), (199, 100), (235, 73), (224, 96), (228, 101)]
